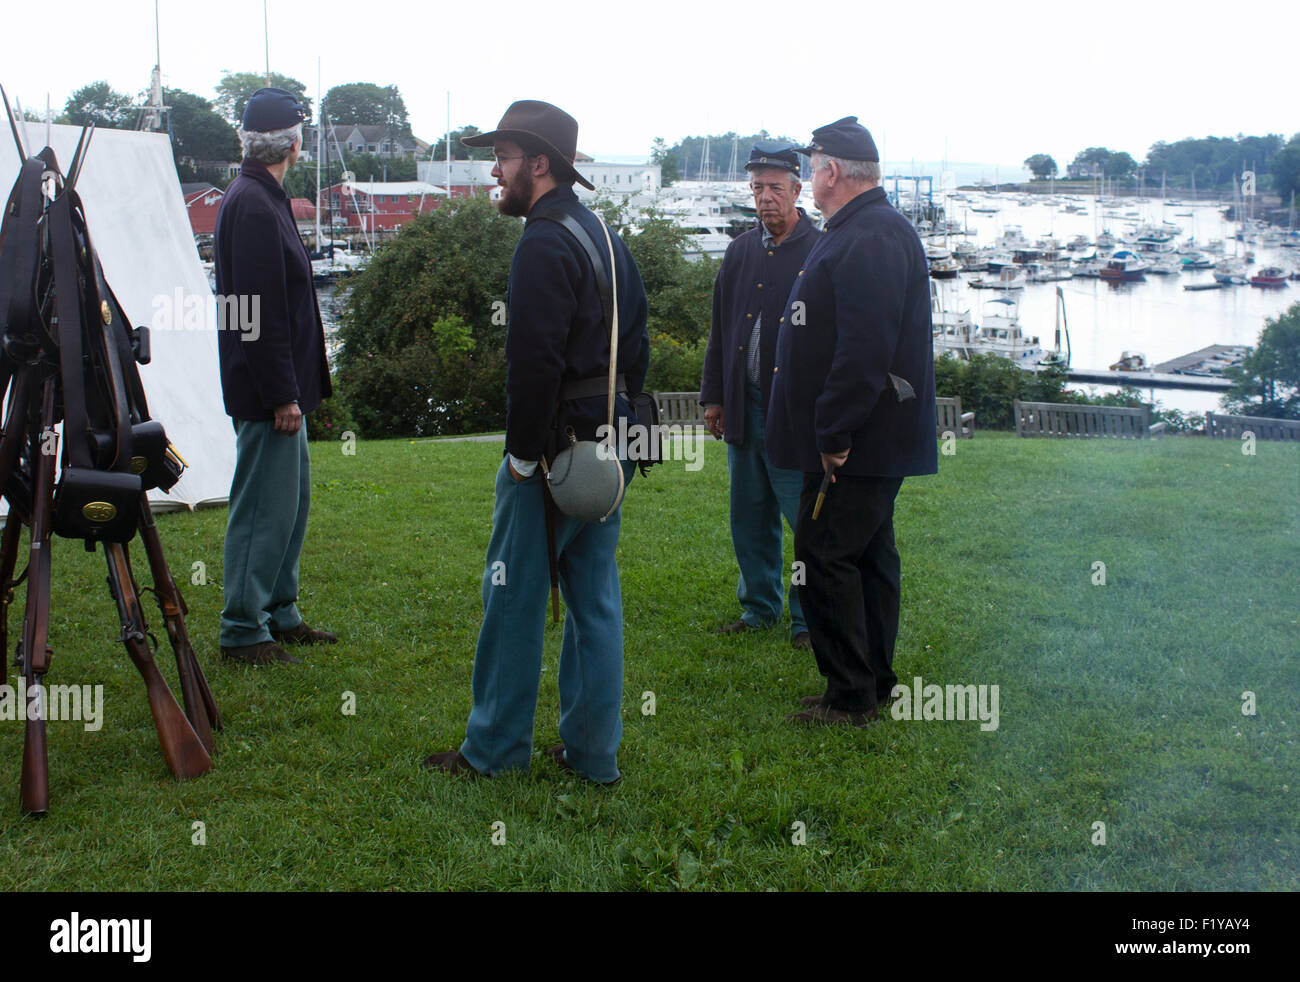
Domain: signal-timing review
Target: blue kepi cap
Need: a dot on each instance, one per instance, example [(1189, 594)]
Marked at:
[(845, 138), (272, 109), (768, 153)]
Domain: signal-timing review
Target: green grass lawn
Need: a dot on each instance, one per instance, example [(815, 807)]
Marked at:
[(1119, 704)]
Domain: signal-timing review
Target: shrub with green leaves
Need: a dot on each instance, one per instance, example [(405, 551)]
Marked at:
[(424, 325)]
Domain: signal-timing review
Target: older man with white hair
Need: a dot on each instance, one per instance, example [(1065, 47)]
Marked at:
[(272, 374), (852, 407)]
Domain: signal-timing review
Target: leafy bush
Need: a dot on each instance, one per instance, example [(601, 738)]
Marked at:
[(332, 418), (424, 326), (675, 366), (679, 291), (989, 385), (1268, 381), (437, 384)]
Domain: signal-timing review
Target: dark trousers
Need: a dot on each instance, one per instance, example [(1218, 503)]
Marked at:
[(850, 592)]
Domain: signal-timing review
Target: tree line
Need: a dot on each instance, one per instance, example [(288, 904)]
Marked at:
[(1209, 163), (203, 130)]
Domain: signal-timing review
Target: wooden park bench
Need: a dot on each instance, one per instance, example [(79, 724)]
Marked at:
[(1064, 419), (951, 419), (1219, 426), (679, 407), (684, 408)]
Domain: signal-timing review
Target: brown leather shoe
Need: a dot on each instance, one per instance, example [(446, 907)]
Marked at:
[(809, 701), (802, 640), (826, 716), (304, 634), (739, 627), (556, 753), (452, 762), (262, 653)]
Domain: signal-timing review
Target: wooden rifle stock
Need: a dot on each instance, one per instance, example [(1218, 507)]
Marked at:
[(181, 746), (200, 705), (9, 445), (35, 788)]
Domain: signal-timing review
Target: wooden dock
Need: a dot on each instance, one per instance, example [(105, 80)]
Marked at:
[(1216, 352), (1149, 380), (1172, 374)]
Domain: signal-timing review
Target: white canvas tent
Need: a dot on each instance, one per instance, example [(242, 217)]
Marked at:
[(140, 229)]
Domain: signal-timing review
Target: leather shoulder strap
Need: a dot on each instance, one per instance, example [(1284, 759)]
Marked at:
[(68, 308), (19, 253), (570, 224)]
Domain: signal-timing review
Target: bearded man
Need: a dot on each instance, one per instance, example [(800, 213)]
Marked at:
[(558, 354)]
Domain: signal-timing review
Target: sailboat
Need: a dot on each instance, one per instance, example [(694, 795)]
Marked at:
[(1054, 358)]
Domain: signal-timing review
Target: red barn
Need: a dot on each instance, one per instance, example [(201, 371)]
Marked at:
[(379, 205), (202, 202)]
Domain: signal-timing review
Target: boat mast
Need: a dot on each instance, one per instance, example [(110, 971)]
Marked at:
[(151, 117), (319, 103), (266, 36)]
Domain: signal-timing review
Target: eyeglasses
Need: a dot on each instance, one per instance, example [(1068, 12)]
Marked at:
[(502, 160)]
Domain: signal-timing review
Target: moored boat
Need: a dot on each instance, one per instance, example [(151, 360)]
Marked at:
[(1230, 272), (945, 269), (1007, 278), (1125, 265), (1000, 334), (1269, 276), (1130, 361)]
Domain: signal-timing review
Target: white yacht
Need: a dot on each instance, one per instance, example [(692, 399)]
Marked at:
[(1000, 334)]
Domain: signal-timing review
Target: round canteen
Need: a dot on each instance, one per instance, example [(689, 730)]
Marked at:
[(586, 481)]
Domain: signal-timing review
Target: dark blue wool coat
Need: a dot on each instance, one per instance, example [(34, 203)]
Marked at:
[(557, 331), (860, 309), (259, 254), (752, 280)]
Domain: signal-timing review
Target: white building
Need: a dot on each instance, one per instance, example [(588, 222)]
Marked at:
[(612, 178)]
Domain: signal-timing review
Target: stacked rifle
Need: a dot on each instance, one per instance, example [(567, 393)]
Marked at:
[(67, 354)]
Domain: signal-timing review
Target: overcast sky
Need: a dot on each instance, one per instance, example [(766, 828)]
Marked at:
[(993, 82)]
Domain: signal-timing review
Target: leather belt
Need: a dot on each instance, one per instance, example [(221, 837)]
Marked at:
[(589, 388)]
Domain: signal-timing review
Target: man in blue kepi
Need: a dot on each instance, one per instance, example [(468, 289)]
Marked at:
[(853, 409), (271, 377), (557, 354), (749, 296)]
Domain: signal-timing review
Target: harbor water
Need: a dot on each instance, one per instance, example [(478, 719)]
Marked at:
[(1154, 316)]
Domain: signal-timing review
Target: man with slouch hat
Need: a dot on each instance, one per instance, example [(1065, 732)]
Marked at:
[(853, 409), (749, 296), (272, 374), (558, 360)]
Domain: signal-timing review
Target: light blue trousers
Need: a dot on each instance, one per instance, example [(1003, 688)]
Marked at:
[(508, 659), (269, 499), (760, 495)]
